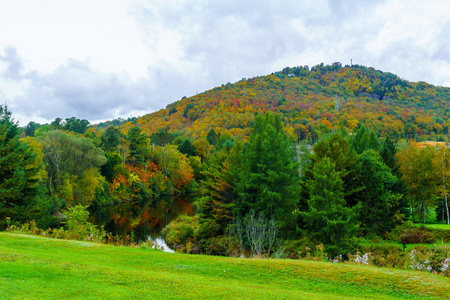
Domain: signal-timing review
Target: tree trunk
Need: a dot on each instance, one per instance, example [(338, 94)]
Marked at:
[(424, 213), (446, 208)]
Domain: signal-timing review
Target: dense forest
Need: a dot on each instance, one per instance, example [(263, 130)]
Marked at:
[(311, 102), (319, 156)]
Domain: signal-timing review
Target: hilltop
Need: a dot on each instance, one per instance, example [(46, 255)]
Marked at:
[(311, 101)]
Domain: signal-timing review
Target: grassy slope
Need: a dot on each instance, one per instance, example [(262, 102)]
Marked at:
[(33, 267)]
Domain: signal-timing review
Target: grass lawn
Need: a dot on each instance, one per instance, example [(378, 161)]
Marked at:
[(438, 226), (37, 267)]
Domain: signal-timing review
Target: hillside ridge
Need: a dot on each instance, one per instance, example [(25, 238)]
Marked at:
[(311, 102)]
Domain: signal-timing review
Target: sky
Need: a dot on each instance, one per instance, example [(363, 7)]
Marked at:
[(100, 60)]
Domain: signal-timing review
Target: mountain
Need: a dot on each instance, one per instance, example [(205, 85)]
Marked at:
[(312, 102)]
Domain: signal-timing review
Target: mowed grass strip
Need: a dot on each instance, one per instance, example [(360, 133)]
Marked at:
[(35, 267)]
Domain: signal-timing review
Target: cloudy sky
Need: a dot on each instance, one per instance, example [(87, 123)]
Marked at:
[(103, 59)]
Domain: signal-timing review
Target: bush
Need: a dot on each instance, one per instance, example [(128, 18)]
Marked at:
[(207, 229), (385, 255), (78, 227), (223, 245), (417, 236), (181, 230)]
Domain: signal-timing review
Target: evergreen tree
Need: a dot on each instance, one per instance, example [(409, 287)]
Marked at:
[(187, 148), (110, 139), (379, 200), (18, 181), (218, 189), (212, 137), (31, 128), (364, 140), (268, 172), (138, 145), (388, 153), (327, 219), (337, 148), (162, 137)]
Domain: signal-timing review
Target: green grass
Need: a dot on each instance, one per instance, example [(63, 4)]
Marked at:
[(437, 226), (37, 267)]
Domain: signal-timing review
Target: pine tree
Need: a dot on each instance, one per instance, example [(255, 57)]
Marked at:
[(18, 181), (337, 148), (388, 153), (328, 220), (379, 199), (364, 140), (268, 173), (138, 145), (110, 139), (218, 189)]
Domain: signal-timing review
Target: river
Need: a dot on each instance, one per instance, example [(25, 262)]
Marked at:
[(143, 220)]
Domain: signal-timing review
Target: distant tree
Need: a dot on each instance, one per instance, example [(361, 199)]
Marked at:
[(212, 137), (187, 148), (67, 156), (58, 123), (138, 145), (76, 125), (202, 148), (110, 139), (162, 137), (364, 140), (42, 129), (30, 129)]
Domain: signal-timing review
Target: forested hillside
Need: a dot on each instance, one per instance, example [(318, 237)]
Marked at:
[(312, 102)]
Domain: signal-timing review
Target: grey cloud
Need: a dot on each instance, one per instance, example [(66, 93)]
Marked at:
[(76, 90), (15, 66), (443, 50)]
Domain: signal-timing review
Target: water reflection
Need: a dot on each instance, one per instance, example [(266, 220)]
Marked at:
[(146, 220)]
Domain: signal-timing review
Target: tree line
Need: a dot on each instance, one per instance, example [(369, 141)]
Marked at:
[(346, 185)]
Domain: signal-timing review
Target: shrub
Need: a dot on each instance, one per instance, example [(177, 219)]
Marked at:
[(79, 228), (417, 236), (181, 230), (223, 245)]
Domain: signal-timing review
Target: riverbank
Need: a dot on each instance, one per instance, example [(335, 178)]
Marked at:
[(38, 267)]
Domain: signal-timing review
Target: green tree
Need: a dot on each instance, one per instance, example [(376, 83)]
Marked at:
[(162, 137), (110, 139), (31, 128), (364, 140), (212, 137), (69, 156), (187, 148), (441, 167), (218, 188), (380, 202), (138, 145), (337, 148), (76, 125), (388, 152), (268, 172), (18, 171), (328, 220), (420, 178)]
